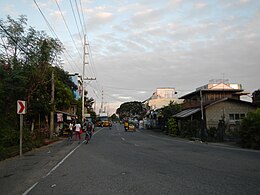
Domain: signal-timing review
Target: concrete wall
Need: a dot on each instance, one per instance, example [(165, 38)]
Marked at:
[(216, 112)]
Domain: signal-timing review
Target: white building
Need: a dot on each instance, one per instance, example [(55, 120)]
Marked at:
[(162, 97)]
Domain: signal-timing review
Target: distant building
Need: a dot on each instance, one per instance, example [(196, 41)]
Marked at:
[(162, 97), (77, 79)]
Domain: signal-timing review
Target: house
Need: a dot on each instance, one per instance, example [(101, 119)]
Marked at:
[(215, 104)]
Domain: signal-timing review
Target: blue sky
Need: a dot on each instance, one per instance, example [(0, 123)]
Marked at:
[(138, 46)]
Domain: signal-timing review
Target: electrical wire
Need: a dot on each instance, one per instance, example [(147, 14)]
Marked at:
[(83, 30), (54, 34), (81, 38), (13, 39), (84, 24), (67, 28)]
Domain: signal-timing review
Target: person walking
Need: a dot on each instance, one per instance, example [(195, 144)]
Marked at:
[(70, 132), (89, 132), (77, 131)]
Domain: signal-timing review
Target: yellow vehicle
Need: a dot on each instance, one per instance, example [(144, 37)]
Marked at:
[(126, 125), (131, 127), (105, 123), (103, 120)]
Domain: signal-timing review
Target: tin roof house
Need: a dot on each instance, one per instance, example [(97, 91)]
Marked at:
[(215, 102)]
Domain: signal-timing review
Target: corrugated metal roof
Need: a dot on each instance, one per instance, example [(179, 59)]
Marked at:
[(186, 112)]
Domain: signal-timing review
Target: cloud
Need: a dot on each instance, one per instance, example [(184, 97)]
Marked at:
[(104, 15), (200, 5), (9, 9), (146, 44)]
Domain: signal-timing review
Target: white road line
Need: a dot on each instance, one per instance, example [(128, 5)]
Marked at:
[(123, 138), (54, 168), (27, 191)]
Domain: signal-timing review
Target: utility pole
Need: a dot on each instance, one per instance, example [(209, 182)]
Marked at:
[(83, 77), (52, 105), (202, 134), (102, 110)]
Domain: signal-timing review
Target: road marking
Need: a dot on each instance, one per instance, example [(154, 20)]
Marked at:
[(54, 168), (27, 191), (123, 138)]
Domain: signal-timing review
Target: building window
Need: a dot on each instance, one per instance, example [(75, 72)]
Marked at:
[(242, 116), (236, 116), (231, 117)]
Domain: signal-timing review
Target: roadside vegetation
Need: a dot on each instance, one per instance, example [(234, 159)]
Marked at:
[(27, 59), (250, 130)]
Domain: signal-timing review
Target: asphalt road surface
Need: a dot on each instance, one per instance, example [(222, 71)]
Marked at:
[(142, 162)]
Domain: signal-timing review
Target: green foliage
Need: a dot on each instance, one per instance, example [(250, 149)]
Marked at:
[(190, 129), (114, 117), (172, 126), (27, 57), (212, 134), (170, 110), (89, 103), (250, 130), (128, 109)]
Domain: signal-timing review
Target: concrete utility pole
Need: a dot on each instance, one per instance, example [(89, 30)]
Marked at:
[(83, 77), (202, 117), (102, 102), (52, 106)]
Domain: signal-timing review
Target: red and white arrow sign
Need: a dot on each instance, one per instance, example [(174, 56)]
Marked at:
[(21, 108)]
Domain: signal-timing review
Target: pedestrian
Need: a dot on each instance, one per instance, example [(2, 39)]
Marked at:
[(89, 130), (70, 132), (77, 131)]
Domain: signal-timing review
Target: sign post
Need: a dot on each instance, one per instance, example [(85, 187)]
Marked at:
[(21, 110)]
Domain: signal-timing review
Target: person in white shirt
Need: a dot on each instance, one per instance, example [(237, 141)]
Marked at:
[(77, 131)]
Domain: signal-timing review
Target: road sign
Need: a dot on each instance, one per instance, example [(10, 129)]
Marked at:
[(21, 107)]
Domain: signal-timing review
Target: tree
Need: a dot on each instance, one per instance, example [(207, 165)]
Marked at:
[(63, 89), (250, 130), (89, 103), (27, 57), (170, 110), (129, 109), (167, 112), (114, 117)]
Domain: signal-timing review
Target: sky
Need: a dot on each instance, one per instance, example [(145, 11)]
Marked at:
[(137, 46)]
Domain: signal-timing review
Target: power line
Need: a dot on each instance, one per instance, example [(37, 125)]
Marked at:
[(13, 39), (79, 17), (67, 28), (53, 33), (84, 24), (76, 22), (47, 22)]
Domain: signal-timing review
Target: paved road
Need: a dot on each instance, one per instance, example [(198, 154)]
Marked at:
[(143, 162)]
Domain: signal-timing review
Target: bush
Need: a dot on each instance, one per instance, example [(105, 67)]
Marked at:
[(9, 137), (172, 126), (250, 130), (190, 129), (212, 134)]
